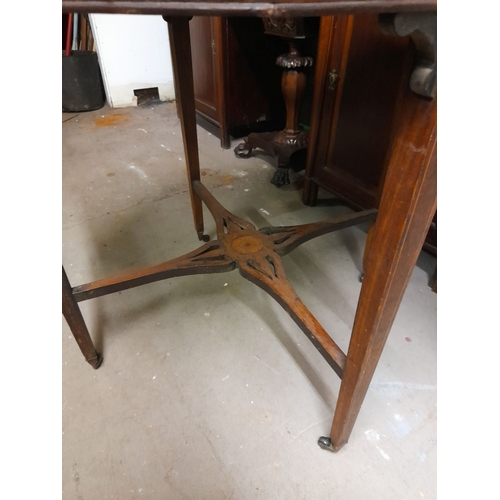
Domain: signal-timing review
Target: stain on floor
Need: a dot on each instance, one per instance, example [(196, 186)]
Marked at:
[(111, 120)]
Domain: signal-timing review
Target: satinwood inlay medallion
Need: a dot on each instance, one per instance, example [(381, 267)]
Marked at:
[(247, 245)]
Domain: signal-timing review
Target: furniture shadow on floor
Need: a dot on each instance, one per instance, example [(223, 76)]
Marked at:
[(261, 305)]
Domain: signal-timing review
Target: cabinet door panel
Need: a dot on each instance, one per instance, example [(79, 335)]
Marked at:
[(356, 110), (204, 72), (372, 78), (357, 117)]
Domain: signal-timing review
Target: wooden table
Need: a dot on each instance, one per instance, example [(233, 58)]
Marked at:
[(407, 205)]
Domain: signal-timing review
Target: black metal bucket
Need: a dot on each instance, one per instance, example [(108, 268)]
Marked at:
[(82, 87)]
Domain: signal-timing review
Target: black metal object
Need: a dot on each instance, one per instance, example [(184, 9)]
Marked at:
[(82, 87), (325, 443)]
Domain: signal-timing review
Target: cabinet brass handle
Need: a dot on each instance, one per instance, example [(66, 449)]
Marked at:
[(333, 77)]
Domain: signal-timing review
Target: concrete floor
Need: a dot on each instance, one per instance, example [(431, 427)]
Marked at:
[(208, 390)]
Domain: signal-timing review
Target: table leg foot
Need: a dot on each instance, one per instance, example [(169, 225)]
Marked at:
[(77, 325), (203, 237), (325, 443), (406, 208), (281, 177), (243, 150), (95, 362)]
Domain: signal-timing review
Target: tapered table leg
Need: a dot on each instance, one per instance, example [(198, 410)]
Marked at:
[(75, 321), (180, 47), (407, 206)]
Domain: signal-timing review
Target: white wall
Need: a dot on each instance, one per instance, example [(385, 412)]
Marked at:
[(134, 53)]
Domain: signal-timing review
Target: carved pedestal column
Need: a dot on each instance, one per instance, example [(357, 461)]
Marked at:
[(291, 139)]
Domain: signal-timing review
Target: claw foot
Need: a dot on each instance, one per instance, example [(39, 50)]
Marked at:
[(243, 150), (280, 177)]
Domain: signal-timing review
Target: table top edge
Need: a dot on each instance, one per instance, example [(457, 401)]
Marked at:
[(273, 8)]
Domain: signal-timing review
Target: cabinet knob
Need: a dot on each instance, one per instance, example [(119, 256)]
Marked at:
[(333, 77)]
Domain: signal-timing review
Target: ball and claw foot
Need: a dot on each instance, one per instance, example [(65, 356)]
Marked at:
[(325, 443), (243, 150), (203, 237), (280, 177)]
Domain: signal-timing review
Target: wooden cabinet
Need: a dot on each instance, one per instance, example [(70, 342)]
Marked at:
[(359, 71), (207, 79), (236, 81)]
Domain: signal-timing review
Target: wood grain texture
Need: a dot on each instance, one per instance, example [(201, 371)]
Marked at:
[(257, 256), (372, 74), (273, 8), (180, 48), (333, 47), (406, 209), (208, 259), (203, 50), (352, 124)]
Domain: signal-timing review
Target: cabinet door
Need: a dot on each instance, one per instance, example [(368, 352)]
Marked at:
[(204, 67), (358, 75)]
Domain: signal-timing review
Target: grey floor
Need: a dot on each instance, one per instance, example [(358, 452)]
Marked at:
[(208, 390)]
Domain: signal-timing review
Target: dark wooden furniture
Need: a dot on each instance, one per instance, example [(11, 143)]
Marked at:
[(283, 144), (236, 81), (407, 204), (359, 71)]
